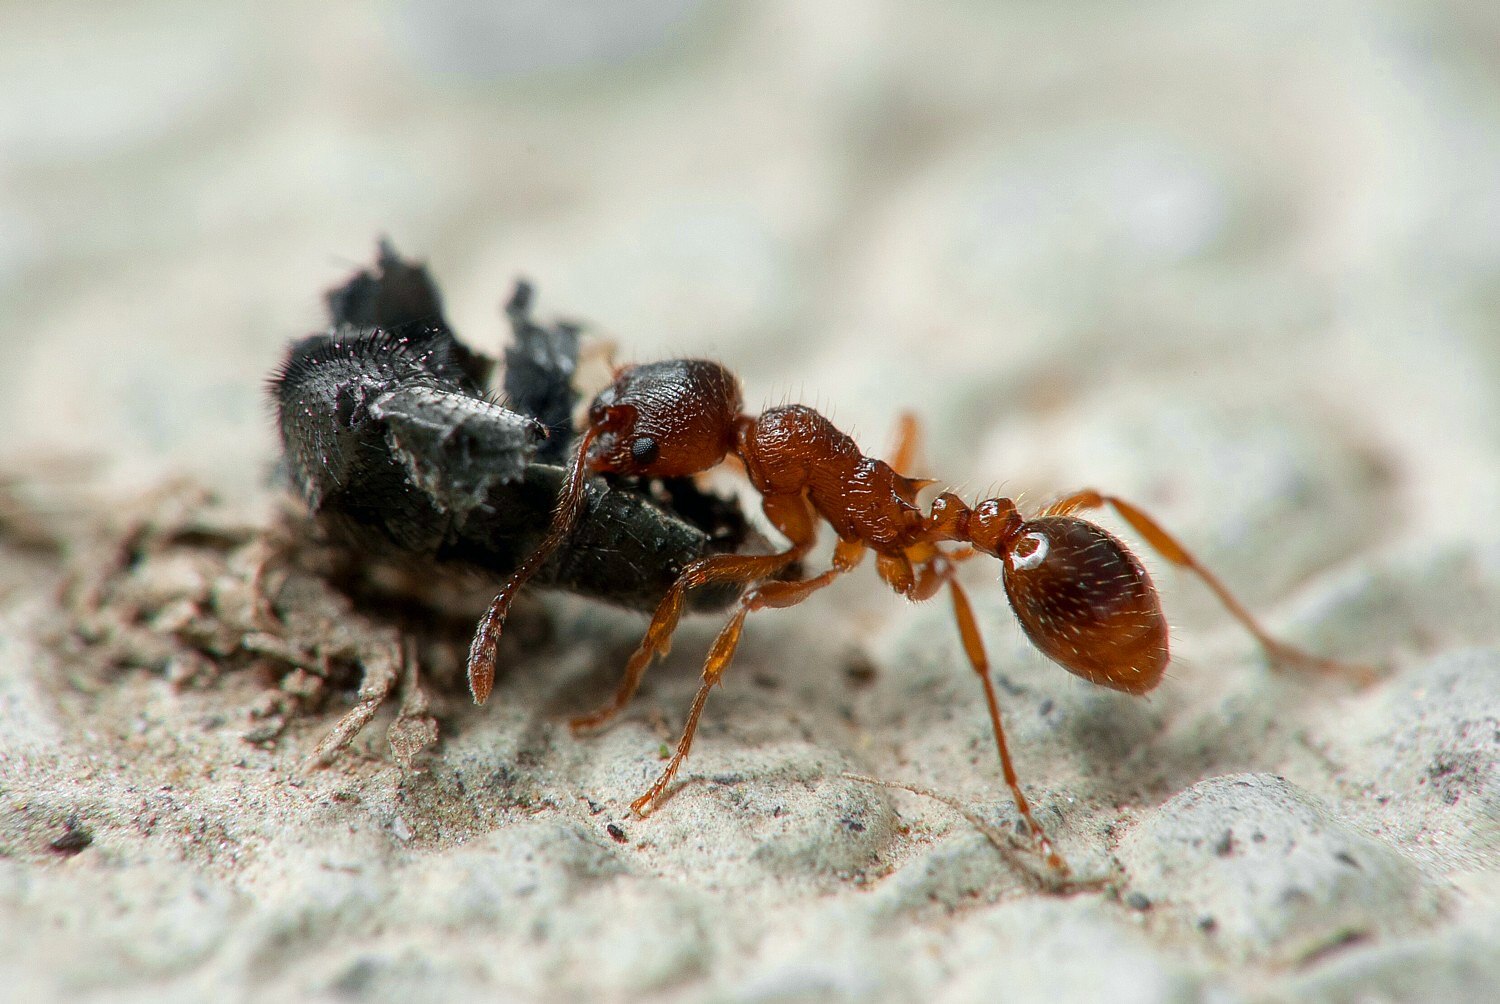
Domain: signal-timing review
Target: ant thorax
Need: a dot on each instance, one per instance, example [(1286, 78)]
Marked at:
[(794, 449)]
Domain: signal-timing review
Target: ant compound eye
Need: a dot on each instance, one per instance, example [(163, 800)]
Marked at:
[(1030, 551), (1087, 603), (643, 451)]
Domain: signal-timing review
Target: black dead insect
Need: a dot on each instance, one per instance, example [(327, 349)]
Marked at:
[(401, 454)]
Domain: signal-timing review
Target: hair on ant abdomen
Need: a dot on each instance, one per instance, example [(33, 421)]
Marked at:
[(1082, 598)]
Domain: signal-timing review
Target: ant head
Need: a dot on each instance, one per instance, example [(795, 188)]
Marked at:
[(1085, 601), (665, 419)]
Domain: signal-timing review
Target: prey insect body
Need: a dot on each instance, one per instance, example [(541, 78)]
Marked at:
[(399, 452)]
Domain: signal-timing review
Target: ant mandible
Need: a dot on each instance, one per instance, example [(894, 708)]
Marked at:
[(1081, 596)]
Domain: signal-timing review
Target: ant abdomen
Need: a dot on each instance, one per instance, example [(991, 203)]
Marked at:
[(1087, 603)]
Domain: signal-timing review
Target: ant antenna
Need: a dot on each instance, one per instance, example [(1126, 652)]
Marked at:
[(487, 634)]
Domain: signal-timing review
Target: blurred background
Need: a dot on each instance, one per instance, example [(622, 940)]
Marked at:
[(994, 214)]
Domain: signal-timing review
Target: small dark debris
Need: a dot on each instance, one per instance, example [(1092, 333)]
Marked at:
[(1010, 686), (501, 779), (75, 837), (616, 832), (852, 825), (1045, 708), (355, 981), (859, 670), (1225, 845), (727, 779), (765, 681), (1453, 776), (1340, 941), (528, 758), (1138, 901), (1258, 837), (1344, 857), (1207, 924), (778, 812), (594, 807), (1442, 766)]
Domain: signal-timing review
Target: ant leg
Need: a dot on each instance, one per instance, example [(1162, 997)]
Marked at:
[(1280, 654), (968, 630), (658, 639), (793, 517), (907, 442), (487, 633), (904, 449), (847, 556)]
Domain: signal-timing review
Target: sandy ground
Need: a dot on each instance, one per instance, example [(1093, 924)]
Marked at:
[(1238, 264)]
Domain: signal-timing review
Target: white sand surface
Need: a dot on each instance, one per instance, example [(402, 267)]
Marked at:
[(1239, 263)]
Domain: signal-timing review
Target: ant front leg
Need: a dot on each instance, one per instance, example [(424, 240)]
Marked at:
[(968, 630), (1280, 654), (658, 639), (847, 556), (793, 519)]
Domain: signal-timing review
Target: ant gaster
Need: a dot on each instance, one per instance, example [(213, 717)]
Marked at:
[(1082, 598)]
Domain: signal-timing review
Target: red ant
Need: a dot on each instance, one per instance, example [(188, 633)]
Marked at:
[(1083, 599)]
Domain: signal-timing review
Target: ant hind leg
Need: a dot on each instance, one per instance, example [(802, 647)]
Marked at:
[(1280, 654), (968, 630)]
